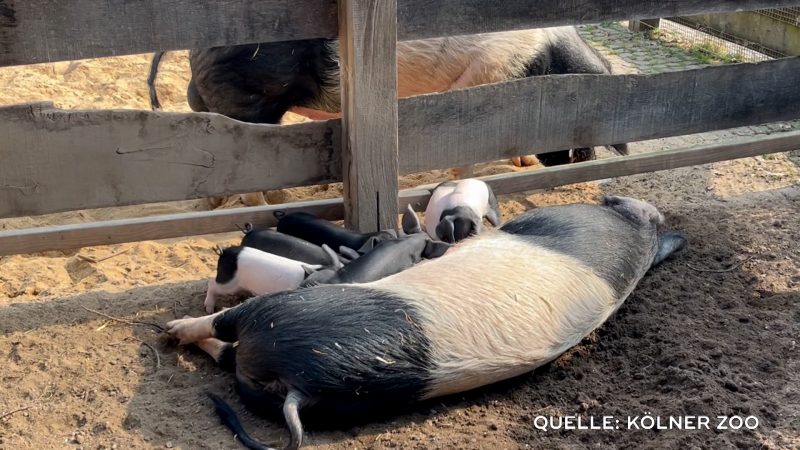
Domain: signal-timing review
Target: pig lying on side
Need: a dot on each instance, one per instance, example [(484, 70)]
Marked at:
[(506, 302)]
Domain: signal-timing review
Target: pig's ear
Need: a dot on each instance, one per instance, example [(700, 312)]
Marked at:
[(369, 245), (410, 221), (446, 229), (334, 258), (248, 228), (218, 249), (493, 218), (434, 249), (351, 254)]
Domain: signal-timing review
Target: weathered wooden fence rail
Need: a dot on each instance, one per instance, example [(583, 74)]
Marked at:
[(53, 160), (35, 31), (134, 157), (63, 237)]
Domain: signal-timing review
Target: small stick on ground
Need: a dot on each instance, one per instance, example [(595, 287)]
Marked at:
[(38, 400), (129, 322), (155, 352), (729, 269), (14, 411)]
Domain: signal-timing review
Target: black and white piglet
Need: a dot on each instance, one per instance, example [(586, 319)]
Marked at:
[(288, 246), (502, 304), (456, 210), (246, 269), (320, 231), (387, 258)]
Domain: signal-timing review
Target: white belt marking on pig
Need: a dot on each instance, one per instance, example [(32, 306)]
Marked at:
[(500, 307)]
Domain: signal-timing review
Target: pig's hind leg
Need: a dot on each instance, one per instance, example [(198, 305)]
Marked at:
[(224, 353)]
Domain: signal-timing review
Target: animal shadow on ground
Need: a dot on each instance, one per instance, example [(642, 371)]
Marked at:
[(709, 332)]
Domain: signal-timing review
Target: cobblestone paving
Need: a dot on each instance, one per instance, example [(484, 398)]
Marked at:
[(634, 53)]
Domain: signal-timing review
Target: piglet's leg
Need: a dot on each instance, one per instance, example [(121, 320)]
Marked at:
[(191, 329), (215, 289)]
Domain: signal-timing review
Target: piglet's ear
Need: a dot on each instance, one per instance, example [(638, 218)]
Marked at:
[(446, 229), (434, 249), (494, 218), (369, 245), (410, 221), (349, 252)]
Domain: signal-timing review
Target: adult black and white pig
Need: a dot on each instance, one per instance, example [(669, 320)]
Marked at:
[(260, 82), (456, 209), (498, 305)]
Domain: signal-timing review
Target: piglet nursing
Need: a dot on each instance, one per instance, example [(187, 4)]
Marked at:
[(456, 209), (288, 246), (245, 269), (320, 231), (387, 258)]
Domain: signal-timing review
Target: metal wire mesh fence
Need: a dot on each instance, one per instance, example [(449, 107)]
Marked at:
[(789, 16), (716, 42)]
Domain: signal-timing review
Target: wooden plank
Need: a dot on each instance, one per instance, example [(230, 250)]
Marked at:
[(55, 160), (421, 19), (548, 113), (35, 31), (368, 45), (649, 162), (65, 237)]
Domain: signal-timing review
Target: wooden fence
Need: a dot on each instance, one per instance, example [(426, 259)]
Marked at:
[(55, 160)]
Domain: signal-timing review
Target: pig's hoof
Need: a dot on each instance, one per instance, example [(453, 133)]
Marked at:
[(215, 202), (254, 199), (524, 161), (187, 330), (209, 307)]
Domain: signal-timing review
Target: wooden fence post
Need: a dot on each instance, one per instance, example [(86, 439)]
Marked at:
[(367, 46)]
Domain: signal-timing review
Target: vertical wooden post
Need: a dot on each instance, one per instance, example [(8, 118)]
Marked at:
[(368, 46)]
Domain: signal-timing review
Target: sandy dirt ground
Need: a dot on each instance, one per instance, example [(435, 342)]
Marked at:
[(713, 332)]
